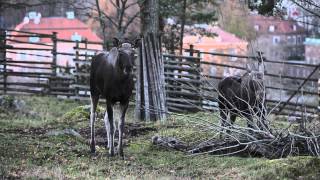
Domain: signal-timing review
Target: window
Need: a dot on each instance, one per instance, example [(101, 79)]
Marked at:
[(294, 27), (70, 14), (76, 37), (34, 39), (294, 39), (256, 27), (289, 39), (299, 39), (276, 39), (271, 28)]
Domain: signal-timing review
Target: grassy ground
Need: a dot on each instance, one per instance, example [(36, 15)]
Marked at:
[(28, 151)]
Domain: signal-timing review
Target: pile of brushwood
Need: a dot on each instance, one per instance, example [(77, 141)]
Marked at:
[(299, 137)]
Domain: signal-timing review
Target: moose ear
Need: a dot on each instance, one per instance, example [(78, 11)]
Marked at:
[(116, 42), (137, 42)]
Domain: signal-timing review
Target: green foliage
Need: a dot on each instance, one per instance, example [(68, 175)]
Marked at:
[(81, 113), (303, 167), (200, 11), (197, 12), (264, 7), (234, 19), (6, 101)]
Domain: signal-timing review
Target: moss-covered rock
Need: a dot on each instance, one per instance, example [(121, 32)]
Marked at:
[(81, 113)]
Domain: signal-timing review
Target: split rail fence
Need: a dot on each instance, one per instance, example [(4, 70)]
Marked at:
[(28, 66)]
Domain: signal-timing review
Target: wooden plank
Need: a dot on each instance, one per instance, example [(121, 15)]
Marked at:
[(179, 93), (29, 67), (18, 90), (28, 84), (31, 54), (145, 82), (174, 67), (70, 41), (170, 74), (194, 81), (223, 65), (25, 42), (27, 32), (139, 91), (181, 57), (29, 49), (28, 62)]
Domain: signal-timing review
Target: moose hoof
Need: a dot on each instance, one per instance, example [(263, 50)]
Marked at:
[(111, 153), (93, 153), (120, 154), (93, 150)]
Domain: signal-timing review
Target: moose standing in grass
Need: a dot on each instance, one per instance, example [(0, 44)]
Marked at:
[(244, 97), (111, 77)]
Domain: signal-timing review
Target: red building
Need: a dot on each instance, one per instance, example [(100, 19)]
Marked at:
[(66, 28)]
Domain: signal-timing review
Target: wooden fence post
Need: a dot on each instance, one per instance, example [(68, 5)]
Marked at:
[(76, 70), (54, 53), (199, 86), (54, 60), (150, 79), (86, 47), (3, 57), (191, 50)]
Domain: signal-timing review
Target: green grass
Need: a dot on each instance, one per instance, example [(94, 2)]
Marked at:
[(26, 151)]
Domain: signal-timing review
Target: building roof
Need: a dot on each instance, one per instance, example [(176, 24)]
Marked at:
[(221, 37), (281, 26), (64, 27)]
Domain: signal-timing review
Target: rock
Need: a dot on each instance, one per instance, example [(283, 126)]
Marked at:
[(67, 131), (10, 103), (19, 105)]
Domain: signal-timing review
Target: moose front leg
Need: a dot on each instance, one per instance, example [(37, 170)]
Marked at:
[(108, 120), (123, 110)]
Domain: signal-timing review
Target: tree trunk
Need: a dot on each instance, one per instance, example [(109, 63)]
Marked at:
[(102, 24), (183, 21), (150, 16), (150, 72)]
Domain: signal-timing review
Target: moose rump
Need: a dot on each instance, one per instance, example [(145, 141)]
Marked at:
[(242, 96)]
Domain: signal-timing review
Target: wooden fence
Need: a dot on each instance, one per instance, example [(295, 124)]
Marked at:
[(31, 67), (35, 68)]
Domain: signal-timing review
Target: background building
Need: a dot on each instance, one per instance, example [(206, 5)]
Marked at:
[(223, 42)]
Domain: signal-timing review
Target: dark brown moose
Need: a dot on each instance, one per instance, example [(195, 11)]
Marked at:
[(111, 77), (243, 96)]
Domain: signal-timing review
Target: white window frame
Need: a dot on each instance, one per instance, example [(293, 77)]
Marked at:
[(256, 27), (272, 28), (276, 39)]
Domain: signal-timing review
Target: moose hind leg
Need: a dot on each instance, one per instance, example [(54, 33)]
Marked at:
[(224, 121), (94, 103), (108, 120), (123, 110), (233, 118)]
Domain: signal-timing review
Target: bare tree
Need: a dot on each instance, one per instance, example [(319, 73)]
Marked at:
[(121, 19)]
